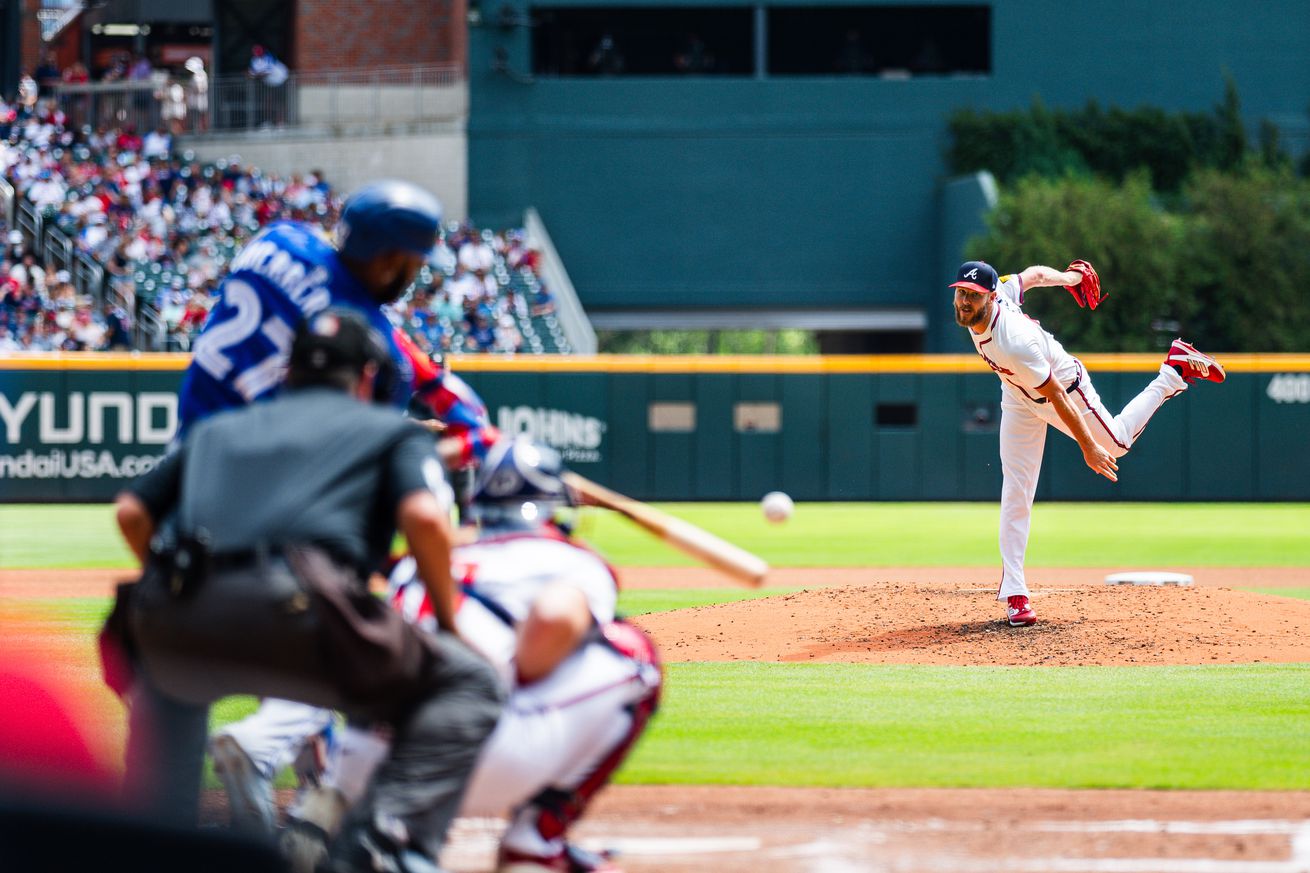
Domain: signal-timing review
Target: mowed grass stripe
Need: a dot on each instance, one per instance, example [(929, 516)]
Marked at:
[(641, 601), (829, 534), (964, 534), (646, 600), (1298, 593), (1221, 727), (83, 614), (69, 536)]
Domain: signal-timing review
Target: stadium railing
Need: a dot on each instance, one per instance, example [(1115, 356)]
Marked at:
[(54, 247), (7, 201), (332, 98), (569, 318)]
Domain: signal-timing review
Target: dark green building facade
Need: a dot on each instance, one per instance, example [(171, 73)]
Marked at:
[(773, 180)]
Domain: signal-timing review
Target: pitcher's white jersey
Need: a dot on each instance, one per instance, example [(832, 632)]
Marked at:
[(1016, 347)]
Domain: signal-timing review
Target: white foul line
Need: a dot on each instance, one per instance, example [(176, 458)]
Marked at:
[(835, 856), (652, 846), (1239, 827)]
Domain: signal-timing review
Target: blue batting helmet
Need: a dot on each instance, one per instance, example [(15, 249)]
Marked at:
[(519, 483), (388, 216)]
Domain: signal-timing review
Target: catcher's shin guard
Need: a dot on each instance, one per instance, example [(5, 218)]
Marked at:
[(557, 809), (310, 827)]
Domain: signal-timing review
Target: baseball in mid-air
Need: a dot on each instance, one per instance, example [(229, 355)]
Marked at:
[(777, 507)]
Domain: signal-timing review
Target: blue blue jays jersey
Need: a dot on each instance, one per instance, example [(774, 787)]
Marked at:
[(281, 277)]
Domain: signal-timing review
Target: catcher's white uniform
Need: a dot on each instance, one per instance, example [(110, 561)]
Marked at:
[(1025, 357), (559, 739), (562, 736)]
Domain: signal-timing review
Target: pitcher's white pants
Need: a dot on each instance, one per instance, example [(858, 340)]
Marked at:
[(1023, 440)]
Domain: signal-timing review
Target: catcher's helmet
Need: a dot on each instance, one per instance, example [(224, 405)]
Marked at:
[(388, 216), (519, 484)]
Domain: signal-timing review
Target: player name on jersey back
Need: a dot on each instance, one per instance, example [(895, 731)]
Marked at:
[(267, 257)]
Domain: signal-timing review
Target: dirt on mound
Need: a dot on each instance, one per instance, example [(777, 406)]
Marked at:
[(927, 624), (932, 616)]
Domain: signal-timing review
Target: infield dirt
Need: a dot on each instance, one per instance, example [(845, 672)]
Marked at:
[(942, 615), (907, 623)]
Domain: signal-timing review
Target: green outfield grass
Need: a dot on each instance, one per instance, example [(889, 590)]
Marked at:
[(830, 534), (1233, 727)]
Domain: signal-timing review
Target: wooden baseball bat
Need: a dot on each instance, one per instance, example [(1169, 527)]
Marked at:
[(683, 535)]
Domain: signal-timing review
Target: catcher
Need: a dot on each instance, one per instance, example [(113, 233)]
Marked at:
[(1042, 384), (584, 684)]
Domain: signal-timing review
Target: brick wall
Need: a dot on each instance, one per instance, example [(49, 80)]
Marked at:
[(30, 46), (334, 35)]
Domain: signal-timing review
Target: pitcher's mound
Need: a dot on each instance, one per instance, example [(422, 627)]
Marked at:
[(933, 624)]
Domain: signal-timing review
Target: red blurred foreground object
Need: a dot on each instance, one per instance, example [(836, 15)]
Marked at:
[(44, 753)]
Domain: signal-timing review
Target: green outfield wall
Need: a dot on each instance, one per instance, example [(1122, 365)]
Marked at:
[(75, 427)]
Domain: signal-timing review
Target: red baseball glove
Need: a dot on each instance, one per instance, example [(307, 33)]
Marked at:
[(1088, 291)]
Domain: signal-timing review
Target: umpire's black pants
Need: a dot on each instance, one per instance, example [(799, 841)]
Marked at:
[(302, 628)]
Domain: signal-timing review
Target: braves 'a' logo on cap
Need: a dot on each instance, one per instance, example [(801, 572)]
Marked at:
[(972, 274)]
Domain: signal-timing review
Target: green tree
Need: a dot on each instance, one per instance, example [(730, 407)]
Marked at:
[(1245, 259), (1121, 230), (1114, 143)]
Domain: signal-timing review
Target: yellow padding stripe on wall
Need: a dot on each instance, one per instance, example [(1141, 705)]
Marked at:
[(1122, 363)]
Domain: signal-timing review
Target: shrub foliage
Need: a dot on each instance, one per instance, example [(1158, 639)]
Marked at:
[(1194, 230)]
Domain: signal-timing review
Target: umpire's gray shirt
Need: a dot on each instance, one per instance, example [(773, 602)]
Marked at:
[(313, 465)]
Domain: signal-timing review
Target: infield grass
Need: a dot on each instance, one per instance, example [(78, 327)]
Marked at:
[(840, 725), (829, 534), (1298, 593), (870, 726), (639, 601)]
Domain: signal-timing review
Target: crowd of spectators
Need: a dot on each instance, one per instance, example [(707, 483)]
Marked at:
[(165, 225), (41, 311), (464, 300)]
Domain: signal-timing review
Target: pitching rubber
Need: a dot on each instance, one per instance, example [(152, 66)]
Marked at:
[(1148, 577)]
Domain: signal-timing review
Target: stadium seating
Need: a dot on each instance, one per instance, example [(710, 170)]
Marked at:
[(152, 225)]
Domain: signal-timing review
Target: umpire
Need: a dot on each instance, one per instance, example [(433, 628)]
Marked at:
[(282, 510)]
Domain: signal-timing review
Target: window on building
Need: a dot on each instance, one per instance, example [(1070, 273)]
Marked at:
[(896, 414), (887, 41), (626, 41)]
